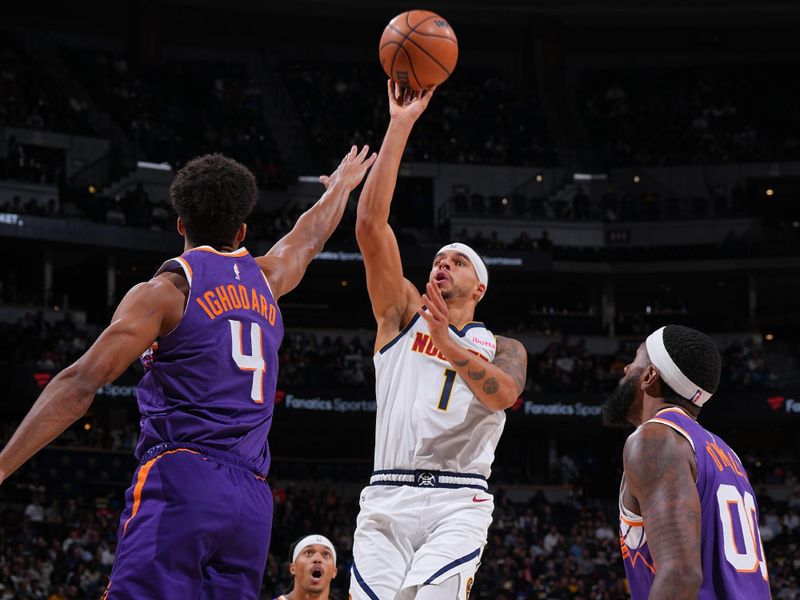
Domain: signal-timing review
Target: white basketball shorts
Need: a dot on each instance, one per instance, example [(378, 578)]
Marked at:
[(408, 536)]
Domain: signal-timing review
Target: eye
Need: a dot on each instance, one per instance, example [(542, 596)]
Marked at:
[(460, 263)]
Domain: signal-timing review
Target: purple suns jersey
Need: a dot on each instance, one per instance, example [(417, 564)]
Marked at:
[(211, 381), (731, 552)]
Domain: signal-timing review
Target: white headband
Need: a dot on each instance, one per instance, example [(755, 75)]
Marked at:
[(670, 372), (477, 262), (310, 540)]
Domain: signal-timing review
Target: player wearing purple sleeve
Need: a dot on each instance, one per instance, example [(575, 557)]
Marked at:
[(688, 514), (198, 514)]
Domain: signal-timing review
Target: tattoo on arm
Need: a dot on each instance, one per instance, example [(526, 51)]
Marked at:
[(491, 386), (477, 375), (658, 469), (512, 358)]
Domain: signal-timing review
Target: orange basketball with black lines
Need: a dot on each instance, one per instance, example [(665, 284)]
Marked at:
[(418, 49)]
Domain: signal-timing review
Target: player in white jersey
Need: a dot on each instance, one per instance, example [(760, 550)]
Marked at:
[(442, 384)]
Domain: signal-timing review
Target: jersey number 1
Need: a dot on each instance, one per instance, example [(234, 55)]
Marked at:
[(447, 389), (249, 362)]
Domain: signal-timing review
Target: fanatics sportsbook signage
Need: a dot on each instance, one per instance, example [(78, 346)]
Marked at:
[(25, 383)]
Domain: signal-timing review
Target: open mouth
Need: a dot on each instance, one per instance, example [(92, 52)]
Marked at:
[(316, 574), (442, 276)]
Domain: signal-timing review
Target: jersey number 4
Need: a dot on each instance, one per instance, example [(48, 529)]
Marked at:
[(734, 506), (249, 362)]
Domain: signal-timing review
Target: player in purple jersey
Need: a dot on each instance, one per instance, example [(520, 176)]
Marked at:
[(198, 515), (688, 515)]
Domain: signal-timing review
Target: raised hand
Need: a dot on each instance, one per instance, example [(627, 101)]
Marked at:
[(407, 105), (437, 316), (351, 170)]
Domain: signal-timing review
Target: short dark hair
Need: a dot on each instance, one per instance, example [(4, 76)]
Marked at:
[(213, 194), (696, 355)]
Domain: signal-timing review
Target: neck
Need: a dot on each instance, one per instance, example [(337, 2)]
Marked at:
[(461, 315), (187, 245), (652, 406), (299, 594)]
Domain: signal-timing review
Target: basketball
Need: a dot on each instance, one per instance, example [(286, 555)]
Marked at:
[(418, 49)]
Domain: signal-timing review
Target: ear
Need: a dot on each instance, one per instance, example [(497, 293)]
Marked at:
[(479, 292), (241, 233), (335, 572), (650, 382), (292, 569), (181, 227)]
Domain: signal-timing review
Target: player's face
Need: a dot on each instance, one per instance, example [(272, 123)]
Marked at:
[(618, 406), (454, 274), (314, 568)]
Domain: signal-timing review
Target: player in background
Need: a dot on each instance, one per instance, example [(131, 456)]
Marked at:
[(313, 567), (442, 384), (198, 515), (688, 514)]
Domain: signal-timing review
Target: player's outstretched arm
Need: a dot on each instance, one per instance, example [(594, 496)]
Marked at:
[(496, 384), (394, 299), (658, 471), (287, 261), (148, 310)]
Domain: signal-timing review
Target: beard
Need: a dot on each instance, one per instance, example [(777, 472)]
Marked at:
[(618, 404)]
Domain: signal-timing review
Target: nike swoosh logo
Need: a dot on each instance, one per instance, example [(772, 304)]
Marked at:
[(476, 499)]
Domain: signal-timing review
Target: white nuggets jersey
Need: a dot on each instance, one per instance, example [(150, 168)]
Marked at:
[(428, 418)]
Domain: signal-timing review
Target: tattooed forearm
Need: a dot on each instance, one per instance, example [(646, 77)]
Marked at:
[(477, 375), (491, 386), (498, 383), (512, 358)]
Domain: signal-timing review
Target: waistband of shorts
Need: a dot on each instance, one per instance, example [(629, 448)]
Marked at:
[(218, 455), (426, 478)]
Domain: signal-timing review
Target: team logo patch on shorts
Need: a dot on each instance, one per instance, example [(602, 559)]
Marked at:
[(469, 588), (426, 479)]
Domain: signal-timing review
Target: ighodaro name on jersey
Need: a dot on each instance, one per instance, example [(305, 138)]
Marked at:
[(224, 298), (424, 345)]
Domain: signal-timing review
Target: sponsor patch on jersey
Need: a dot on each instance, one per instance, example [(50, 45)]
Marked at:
[(482, 342)]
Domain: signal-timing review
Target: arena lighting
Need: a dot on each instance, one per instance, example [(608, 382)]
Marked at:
[(92, 189), (504, 201), (344, 282), (769, 337), (635, 179), (539, 178), (308, 179), (770, 192), (589, 177), (143, 164)]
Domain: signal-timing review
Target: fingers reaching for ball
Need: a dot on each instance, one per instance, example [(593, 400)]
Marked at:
[(406, 104)]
